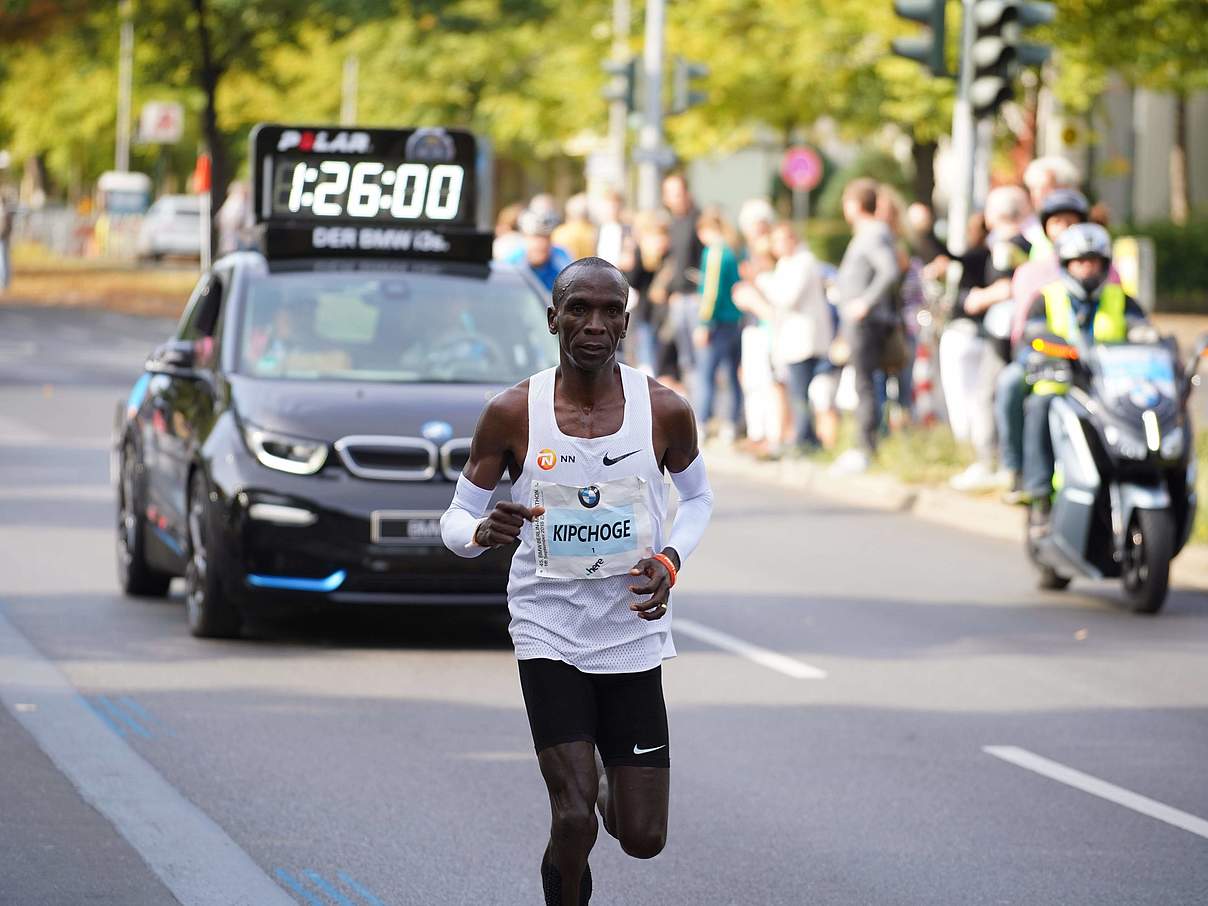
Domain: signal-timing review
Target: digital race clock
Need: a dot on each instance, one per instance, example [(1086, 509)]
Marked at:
[(350, 176)]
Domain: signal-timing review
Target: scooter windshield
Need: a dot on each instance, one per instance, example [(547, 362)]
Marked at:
[(1135, 377)]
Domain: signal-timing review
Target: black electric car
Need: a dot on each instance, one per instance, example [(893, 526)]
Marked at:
[(299, 436)]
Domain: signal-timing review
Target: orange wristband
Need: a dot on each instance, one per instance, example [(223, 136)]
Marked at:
[(671, 570)]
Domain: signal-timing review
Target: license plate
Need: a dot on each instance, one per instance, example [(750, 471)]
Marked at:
[(404, 527)]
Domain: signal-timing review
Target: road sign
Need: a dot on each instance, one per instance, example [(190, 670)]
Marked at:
[(801, 168), (161, 122)]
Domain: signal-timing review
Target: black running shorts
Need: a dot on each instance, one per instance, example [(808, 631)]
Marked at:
[(622, 713)]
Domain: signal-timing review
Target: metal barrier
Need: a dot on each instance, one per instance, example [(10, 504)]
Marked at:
[(64, 232)]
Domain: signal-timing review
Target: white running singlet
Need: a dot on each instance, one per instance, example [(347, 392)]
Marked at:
[(587, 622)]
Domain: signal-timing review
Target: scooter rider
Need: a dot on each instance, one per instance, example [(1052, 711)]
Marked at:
[(1084, 309), (1062, 208)]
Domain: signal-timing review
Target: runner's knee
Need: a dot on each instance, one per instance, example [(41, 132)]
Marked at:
[(575, 823), (644, 844)]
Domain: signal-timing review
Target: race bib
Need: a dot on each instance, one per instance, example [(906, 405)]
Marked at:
[(591, 532)]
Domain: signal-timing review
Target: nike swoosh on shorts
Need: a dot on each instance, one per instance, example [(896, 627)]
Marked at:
[(639, 751), (613, 462)]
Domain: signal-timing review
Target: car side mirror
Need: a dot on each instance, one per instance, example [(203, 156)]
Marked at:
[(174, 357)]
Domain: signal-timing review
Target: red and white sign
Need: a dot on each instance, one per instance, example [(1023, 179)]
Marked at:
[(801, 168), (161, 122)]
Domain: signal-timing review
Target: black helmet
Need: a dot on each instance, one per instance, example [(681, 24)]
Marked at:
[(1059, 201)]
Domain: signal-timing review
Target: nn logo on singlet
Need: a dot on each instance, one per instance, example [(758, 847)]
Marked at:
[(548, 458)]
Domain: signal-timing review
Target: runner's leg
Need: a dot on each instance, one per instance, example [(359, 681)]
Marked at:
[(634, 744), (638, 800), (561, 707), (570, 776)]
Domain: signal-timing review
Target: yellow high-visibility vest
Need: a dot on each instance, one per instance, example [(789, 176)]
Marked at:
[(1110, 325)]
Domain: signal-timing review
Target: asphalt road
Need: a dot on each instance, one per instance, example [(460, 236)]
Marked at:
[(842, 673)]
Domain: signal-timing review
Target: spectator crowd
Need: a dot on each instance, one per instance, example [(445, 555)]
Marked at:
[(771, 343)]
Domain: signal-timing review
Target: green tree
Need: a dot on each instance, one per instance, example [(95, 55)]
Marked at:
[(1161, 45), (58, 97)]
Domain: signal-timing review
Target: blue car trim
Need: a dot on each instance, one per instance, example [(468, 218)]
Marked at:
[(166, 537), (292, 583), (138, 393)]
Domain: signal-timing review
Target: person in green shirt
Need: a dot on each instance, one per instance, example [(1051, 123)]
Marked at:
[(719, 332)]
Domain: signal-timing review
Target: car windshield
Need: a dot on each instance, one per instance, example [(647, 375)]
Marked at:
[(392, 327)]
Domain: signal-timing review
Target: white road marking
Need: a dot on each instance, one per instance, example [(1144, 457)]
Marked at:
[(1070, 777), (761, 656), (76, 492), (16, 433), (186, 849), (18, 349)]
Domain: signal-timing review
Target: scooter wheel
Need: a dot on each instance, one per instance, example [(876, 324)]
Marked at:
[(1148, 551)]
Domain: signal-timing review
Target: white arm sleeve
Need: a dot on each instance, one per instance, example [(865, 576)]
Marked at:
[(460, 520), (695, 507)]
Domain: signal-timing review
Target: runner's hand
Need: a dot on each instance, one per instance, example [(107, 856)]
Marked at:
[(501, 526), (659, 588)]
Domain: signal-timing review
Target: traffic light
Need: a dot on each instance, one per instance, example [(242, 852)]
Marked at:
[(623, 84), (928, 50), (682, 94), (998, 52)]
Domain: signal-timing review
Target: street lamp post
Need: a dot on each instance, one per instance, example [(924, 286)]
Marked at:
[(963, 139), (348, 91), (125, 78), (618, 109), (650, 139)]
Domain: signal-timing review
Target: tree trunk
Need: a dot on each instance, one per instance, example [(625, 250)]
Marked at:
[(210, 74), (924, 171), (1179, 190)]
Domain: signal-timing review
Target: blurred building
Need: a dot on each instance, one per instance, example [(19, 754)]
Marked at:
[(1125, 150)]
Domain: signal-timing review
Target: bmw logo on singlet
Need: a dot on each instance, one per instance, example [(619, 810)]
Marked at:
[(589, 496)]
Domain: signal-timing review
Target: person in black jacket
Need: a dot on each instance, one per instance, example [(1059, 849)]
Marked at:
[(684, 254)]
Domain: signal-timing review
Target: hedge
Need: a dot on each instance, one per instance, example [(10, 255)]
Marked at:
[(1181, 266)]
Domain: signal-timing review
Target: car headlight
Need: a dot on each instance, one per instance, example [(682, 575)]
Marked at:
[(285, 453)]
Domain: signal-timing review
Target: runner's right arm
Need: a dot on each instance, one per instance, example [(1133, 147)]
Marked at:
[(466, 528)]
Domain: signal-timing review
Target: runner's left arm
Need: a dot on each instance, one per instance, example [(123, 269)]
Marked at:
[(675, 426)]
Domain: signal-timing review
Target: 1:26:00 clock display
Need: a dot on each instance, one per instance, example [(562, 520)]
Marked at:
[(367, 189)]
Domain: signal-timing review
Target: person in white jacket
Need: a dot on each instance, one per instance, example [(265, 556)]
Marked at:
[(802, 328)]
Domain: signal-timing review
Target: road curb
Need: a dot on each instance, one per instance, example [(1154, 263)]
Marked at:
[(939, 505)]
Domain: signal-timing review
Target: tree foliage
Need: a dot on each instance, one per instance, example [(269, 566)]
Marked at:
[(524, 72)]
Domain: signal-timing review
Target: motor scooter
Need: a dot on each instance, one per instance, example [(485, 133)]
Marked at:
[(1124, 479)]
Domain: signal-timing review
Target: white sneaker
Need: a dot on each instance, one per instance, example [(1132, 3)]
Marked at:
[(727, 434), (978, 477), (853, 462)]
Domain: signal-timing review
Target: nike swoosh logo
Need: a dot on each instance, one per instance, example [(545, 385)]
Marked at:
[(613, 462), (637, 751)]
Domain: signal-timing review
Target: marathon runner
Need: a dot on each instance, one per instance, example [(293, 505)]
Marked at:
[(586, 445)]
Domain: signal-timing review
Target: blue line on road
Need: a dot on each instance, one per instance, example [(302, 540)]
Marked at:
[(362, 891), (296, 886), (144, 715), (119, 714), (105, 718), (320, 882)]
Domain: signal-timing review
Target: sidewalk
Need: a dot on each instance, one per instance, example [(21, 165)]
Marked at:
[(972, 513)]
